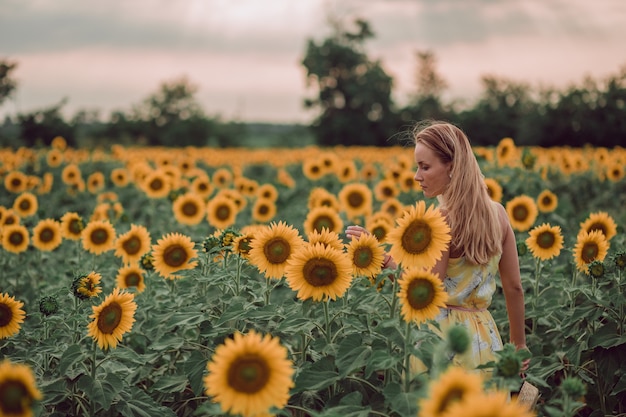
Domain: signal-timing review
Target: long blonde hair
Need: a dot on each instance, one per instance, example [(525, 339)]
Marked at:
[(471, 214)]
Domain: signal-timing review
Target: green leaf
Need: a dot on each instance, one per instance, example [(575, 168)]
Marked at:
[(234, 311), (380, 360), (352, 354), (607, 336), (620, 387), (101, 391), (194, 369), (345, 411), (71, 355), (136, 403), (181, 318), (316, 376), (170, 383), (403, 403)]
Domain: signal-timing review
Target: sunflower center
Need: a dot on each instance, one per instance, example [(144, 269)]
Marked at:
[(322, 222), (222, 212), (363, 257), (156, 184), (453, 395), (597, 226), (263, 209), (320, 272), (132, 245), (189, 209), (546, 201), (249, 374), (132, 279), (387, 192), (16, 238), (416, 237), (110, 317), (546, 240), (24, 205), (277, 250), (380, 232), (46, 235), (490, 191), (16, 182), (420, 293), (175, 255), (6, 315), (99, 236), (355, 199), (75, 227), (520, 213), (14, 398), (589, 252)]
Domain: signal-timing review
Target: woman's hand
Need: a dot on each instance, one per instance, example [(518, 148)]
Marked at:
[(354, 232)]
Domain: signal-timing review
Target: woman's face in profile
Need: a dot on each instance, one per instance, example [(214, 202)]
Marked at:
[(432, 174)]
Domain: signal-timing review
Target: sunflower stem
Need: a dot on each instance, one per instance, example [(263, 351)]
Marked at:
[(94, 369), (394, 299), (536, 289), (327, 319), (238, 275), (407, 358)]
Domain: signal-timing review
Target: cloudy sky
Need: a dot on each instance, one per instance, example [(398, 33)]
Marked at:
[(245, 55)]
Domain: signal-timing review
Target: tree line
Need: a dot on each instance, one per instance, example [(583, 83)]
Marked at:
[(352, 95)]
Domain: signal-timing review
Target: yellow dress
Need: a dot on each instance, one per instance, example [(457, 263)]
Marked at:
[(470, 289)]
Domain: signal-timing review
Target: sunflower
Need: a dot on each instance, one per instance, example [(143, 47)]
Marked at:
[(11, 315), (221, 211), (47, 235), (249, 374), (313, 169), (273, 247), (18, 389), (494, 189), (590, 246), (522, 212), (506, 152), (9, 217), (87, 285), (25, 205), (46, 184), (488, 404), (72, 225), (267, 191), (284, 177), (130, 276), (156, 184), (120, 177), (547, 201), (386, 189), (545, 241), (346, 170), (112, 318), (419, 237), (421, 295), (58, 142), (263, 210), (201, 185), (71, 174), (393, 207), (15, 182), (355, 200), (320, 218), (366, 254), (15, 238), (380, 228), (319, 272), (222, 178), (601, 221), (241, 244), (189, 209), (320, 197), (407, 182), (368, 172), (95, 182), (327, 238), (615, 171), (98, 237), (453, 386), (173, 252)]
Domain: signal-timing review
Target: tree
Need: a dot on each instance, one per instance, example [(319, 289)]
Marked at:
[(7, 84), (39, 127), (353, 92)]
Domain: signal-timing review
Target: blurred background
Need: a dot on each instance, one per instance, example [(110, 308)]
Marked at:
[(326, 72)]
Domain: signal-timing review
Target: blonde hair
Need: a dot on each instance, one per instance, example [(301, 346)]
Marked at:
[(470, 212)]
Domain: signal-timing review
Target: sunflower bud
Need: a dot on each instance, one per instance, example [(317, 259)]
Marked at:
[(228, 236), (573, 387), (596, 269), (48, 305), (528, 159), (620, 260), (147, 262), (458, 339), (522, 249), (211, 244), (509, 363)]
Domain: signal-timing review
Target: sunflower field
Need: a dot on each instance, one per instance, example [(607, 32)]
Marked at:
[(144, 281)]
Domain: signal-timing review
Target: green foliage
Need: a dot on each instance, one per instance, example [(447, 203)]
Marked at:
[(7, 83)]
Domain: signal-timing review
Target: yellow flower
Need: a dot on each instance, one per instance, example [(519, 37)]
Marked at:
[(263, 210), (420, 236), (156, 184), (25, 205), (600, 221), (249, 374), (98, 237), (267, 191), (133, 244), (15, 182), (319, 272), (11, 315), (15, 238), (273, 246), (189, 209), (327, 238), (112, 318), (488, 404), (95, 182), (547, 201), (355, 200), (72, 225), (451, 387), (421, 295), (87, 286), (320, 218), (366, 254), (522, 212), (130, 276), (120, 177), (18, 390), (47, 235), (545, 241), (221, 211), (385, 189), (590, 246), (173, 252), (71, 174), (494, 189)]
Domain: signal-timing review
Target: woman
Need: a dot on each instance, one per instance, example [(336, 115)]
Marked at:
[(482, 242)]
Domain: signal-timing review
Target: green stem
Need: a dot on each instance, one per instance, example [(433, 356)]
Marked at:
[(407, 358), (536, 289), (267, 291), (94, 369), (238, 275), (394, 300), (327, 320)]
